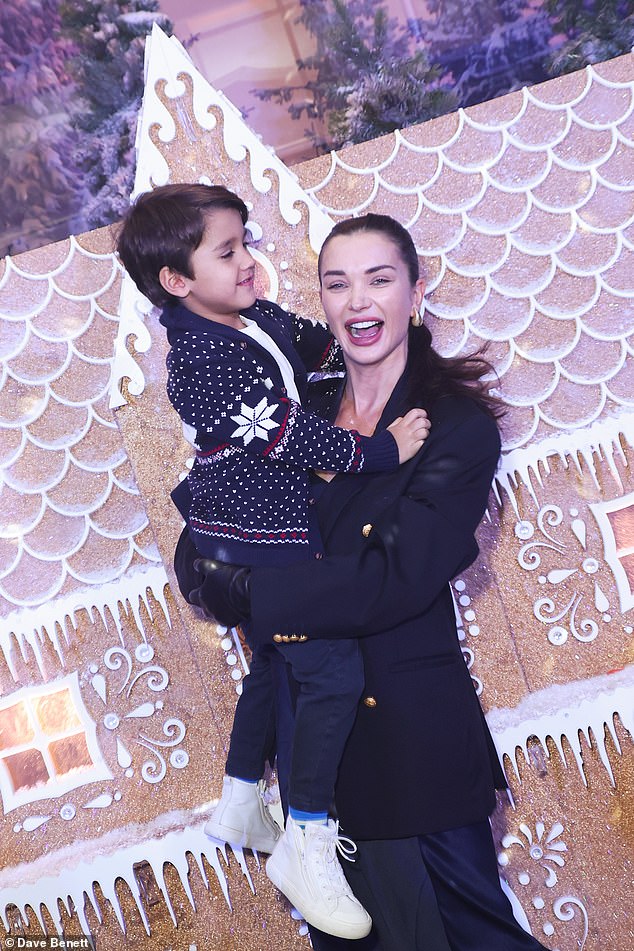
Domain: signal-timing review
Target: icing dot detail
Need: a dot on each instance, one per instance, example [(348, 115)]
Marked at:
[(524, 530), (179, 759), (557, 635), (144, 653)]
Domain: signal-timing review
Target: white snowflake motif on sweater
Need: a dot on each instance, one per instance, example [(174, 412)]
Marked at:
[(255, 421)]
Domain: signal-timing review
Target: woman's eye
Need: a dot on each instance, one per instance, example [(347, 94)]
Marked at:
[(381, 280), (227, 254), (335, 286)]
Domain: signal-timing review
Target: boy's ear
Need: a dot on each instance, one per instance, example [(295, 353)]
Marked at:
[(173, 282)]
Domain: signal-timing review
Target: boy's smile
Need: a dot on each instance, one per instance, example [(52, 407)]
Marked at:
[(223, 269)]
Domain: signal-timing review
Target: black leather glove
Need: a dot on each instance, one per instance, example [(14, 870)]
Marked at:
[(224, 593)]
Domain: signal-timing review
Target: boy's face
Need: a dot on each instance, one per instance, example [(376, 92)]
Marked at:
[(223, 269)]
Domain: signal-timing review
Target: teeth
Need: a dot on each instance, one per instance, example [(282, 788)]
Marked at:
[(364, 324)]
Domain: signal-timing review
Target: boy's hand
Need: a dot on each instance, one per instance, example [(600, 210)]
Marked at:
[(410, 432)]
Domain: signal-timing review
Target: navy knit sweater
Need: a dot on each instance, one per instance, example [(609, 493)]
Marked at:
[(246, 499)]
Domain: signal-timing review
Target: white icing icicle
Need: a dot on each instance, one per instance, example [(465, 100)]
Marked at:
[(31, 625), (602, 439), (76, 885), (566, 712)]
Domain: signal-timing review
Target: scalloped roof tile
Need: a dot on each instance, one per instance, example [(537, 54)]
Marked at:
[(121, 515), (546, 339), (518, 170), (40, 360), (593, 360), (610, 317), (399, 169), (36, 470), (572, 404), (621, 385), (32, 581), (80, 492), (60, 425), (101, 449), (567, 294), (55, 536), (543, 231), (523, 274), (587, 252), (603, 104), (63, 318), (539, 126), (585, 147)]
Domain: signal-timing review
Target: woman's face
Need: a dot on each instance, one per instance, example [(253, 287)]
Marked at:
[(368, 298)]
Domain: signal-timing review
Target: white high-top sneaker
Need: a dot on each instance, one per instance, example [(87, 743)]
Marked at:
[(304, 866), (241, 817)]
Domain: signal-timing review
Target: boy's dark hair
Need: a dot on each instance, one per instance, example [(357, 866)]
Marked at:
[(164, 227)]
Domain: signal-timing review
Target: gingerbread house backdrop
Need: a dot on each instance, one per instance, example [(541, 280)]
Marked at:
[(116, 701)]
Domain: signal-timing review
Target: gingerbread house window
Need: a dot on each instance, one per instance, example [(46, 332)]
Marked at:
[(48, 743), (616, 523)]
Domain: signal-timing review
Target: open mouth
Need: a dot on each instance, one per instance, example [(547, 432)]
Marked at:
[(364, 330)]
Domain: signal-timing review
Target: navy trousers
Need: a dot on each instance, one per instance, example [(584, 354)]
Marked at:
[(436, 892), (329, 678), (329, 675)]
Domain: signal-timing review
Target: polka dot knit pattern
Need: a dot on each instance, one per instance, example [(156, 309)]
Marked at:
[(246, 499)]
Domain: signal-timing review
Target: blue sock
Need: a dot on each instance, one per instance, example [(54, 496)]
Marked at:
[(301, 817)]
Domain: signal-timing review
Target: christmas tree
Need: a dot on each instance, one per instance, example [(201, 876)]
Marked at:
[(367, 77), (38, 178), (109, 36), (593, 32)]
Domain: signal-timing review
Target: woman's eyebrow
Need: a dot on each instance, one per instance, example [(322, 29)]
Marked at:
[(370, 270)]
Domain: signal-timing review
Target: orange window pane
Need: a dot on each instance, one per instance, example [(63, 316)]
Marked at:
[(628, 567), (15, 728), (26, 769), (622, 524), (56, 713), (70, 753)]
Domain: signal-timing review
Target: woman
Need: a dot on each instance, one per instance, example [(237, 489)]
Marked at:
[(417, 781)]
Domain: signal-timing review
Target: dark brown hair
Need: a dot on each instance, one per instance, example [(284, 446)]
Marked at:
[(431, 375), (164, 227)]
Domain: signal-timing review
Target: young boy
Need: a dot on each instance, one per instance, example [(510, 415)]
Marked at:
[(237, 373)]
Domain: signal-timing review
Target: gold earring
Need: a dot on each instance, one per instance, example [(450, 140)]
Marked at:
[(417, 320)]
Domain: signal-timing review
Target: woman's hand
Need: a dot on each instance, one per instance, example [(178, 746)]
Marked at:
[(410, 432), (224, 593)]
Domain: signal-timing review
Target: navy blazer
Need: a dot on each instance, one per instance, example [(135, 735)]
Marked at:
[(420, 757)]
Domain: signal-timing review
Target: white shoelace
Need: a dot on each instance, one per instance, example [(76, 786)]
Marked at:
[(326, 842)]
